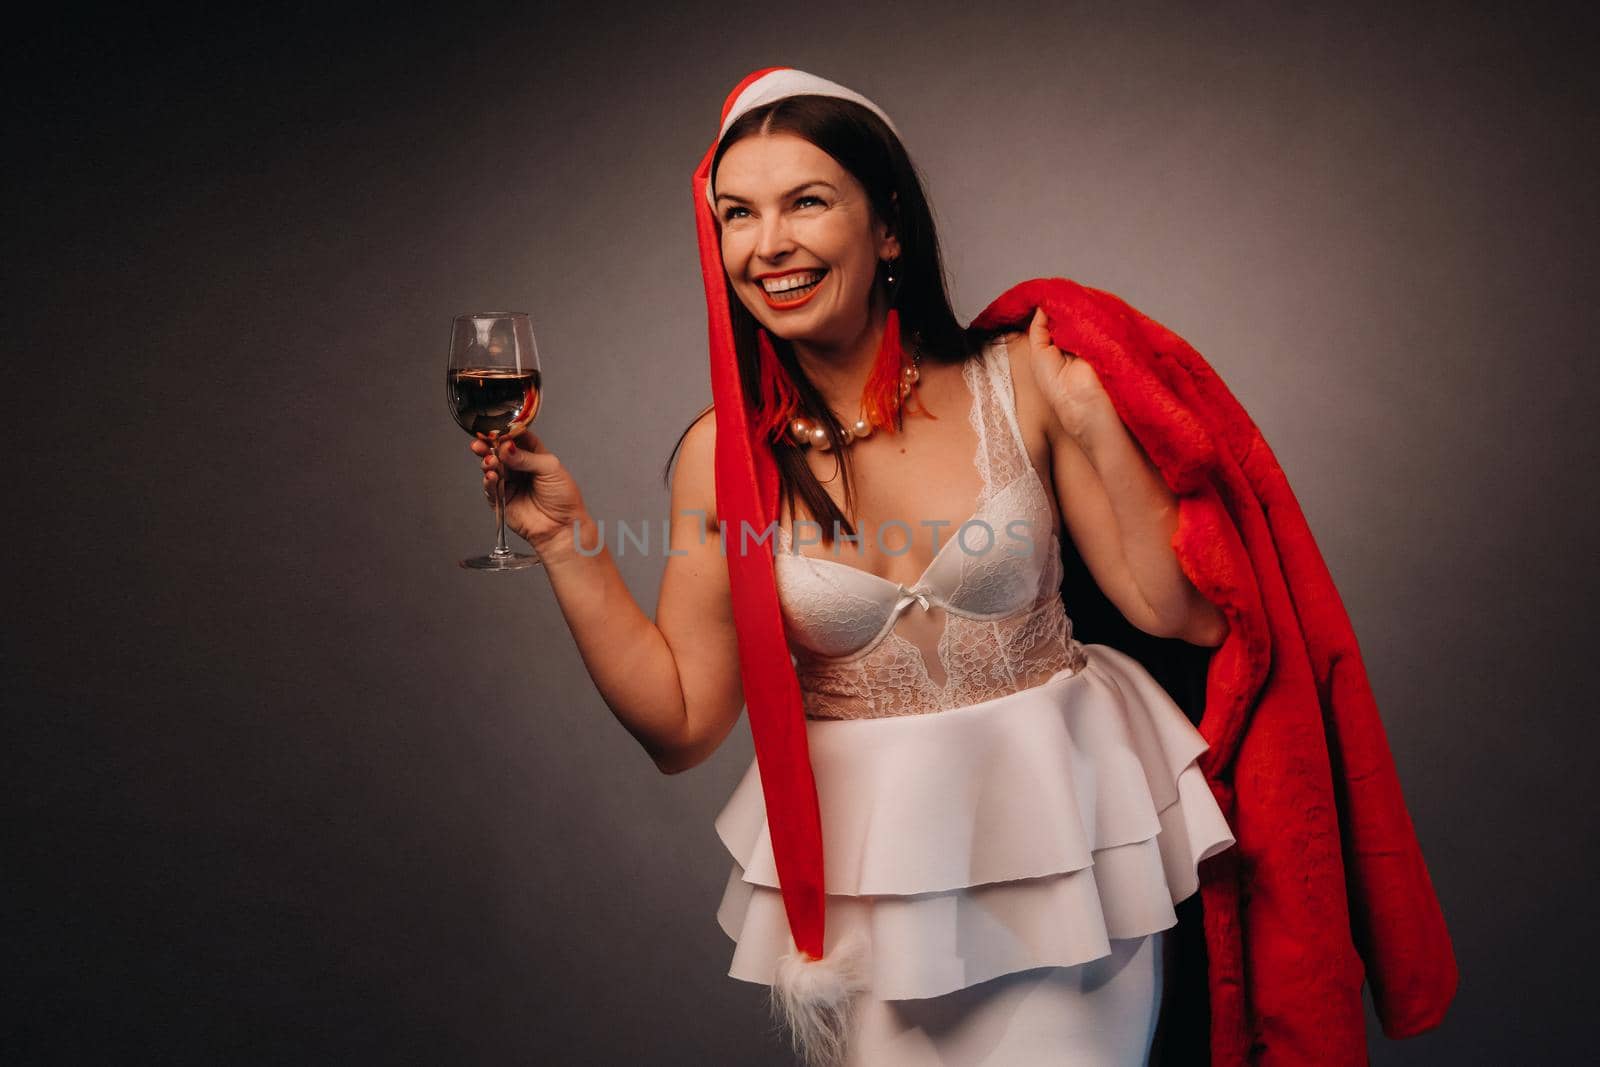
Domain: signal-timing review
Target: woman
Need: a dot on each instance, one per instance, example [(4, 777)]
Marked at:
[(1009, 814)]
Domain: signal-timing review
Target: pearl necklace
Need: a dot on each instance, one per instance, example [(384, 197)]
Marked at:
[(803, 431)]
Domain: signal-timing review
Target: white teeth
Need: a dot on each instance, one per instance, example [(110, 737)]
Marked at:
[(792, 281)]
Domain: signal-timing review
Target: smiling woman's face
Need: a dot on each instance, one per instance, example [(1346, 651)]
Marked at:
[(794, 220)]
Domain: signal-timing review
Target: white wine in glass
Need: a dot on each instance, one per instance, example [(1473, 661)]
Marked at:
[(493, 385)]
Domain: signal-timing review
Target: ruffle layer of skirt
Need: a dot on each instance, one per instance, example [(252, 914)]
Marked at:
[(1022, 832)]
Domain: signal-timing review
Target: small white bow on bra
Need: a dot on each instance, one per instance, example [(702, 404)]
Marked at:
[(910, 595)]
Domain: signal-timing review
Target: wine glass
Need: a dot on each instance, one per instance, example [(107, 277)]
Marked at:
[(492, 382)]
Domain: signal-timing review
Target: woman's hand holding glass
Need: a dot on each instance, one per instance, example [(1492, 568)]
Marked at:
[(542, 500)]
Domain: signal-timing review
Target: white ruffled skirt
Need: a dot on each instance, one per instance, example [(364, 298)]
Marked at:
[(1052, 828)]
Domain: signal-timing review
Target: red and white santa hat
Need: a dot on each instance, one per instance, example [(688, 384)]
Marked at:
[(747, 492)]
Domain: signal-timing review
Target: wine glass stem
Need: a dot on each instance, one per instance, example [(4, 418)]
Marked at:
[(500, 549)]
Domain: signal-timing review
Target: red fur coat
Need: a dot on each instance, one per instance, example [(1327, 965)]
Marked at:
[(1327, 874)]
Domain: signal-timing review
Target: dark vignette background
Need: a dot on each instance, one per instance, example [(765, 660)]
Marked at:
[(291, 788)]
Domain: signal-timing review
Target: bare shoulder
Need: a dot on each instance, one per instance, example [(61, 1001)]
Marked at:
[(1037, 421), (694, 477), (1014, 345)]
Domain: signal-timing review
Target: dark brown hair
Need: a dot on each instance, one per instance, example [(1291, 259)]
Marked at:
[(865, 146)]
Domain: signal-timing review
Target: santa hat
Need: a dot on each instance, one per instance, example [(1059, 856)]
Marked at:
[(815, 995)]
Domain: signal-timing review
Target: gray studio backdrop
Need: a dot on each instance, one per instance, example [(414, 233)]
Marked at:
[(294, 788)]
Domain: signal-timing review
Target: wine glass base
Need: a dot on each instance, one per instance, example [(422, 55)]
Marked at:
[(511, 561)]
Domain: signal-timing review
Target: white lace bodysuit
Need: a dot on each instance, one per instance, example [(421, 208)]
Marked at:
[(1004, 861), (990, 616)]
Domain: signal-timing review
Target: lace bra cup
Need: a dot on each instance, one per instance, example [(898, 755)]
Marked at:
[(876, 603), (983, 569)]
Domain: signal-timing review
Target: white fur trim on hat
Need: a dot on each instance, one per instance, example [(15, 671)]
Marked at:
[(817, 1000), (790, 82)]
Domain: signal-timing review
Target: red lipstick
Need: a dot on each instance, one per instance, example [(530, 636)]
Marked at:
[(790, 305)]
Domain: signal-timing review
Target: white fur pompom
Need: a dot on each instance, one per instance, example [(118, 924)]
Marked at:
[(816, 999)]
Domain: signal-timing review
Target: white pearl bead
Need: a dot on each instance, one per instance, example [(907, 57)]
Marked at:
[(800, 431), (861, 428), (819, 439)]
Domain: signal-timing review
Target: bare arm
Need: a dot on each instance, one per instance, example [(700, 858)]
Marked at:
[(1115, 505), (673, 683), (1122, 517)]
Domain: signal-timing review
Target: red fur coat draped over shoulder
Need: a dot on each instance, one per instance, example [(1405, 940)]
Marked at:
[(1327, 885)]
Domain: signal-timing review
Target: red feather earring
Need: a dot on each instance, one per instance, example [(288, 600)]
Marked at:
[(893, 378), (778, 399)]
